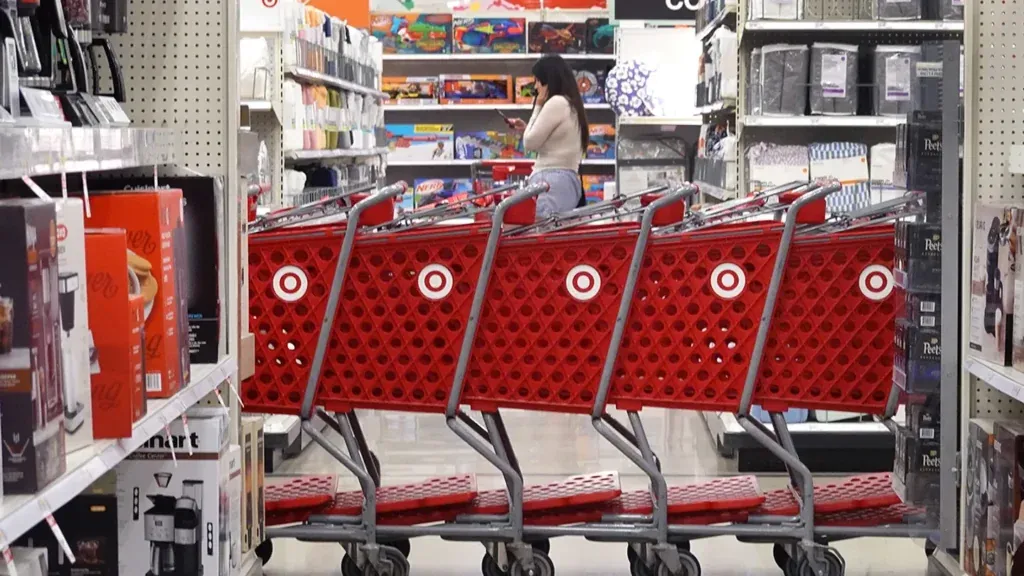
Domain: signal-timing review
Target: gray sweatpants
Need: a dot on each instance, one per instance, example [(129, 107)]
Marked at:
[(563, 191)]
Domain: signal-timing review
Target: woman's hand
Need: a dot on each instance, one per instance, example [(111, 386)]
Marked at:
[(516, 124), (542, 94)]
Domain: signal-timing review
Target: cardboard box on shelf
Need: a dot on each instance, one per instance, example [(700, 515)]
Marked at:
[(117, 366), (89, 523), (557, 37), (916, 469), (489, 35), (411, 90), (993, 265), (234, 513), (173, 510), (600, 36), (413, 33), (980, 488), (429, 190), (923, 309), (488, 145), (476, 89), (420, 142), (31, 378), (917, 364), (602, 142), (1008, 449), (76, 339), (151, 220), (525, 90)]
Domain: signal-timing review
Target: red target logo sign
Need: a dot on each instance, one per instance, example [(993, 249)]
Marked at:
[(435, 282), (290, 283), (728, 280), (876, 282), (270, 3), (583, 282)]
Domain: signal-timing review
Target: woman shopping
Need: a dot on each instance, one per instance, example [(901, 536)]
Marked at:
[(558, 132)]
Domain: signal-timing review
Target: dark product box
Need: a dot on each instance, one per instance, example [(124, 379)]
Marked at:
[(489, 35), (980, 489), (993, 268), (118, 365), (916, 469), (600, 36), (919, 158), (923, 415), (89, 523), (411, 90), (923, 309), (1009, 452), (31, 377), (557, 37), (413, 33), (917, 367), (476, 89), (918, 266), (152, 223)]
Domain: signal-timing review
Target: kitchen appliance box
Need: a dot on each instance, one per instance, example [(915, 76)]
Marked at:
[(249, 501), (76, 339), (89, 523), (980, 476), (117, 368), (1008, 451), (173, 511), (152, 220), (234, 514), (993, 264), (30, 350)]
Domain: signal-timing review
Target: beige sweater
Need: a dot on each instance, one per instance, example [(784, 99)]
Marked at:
[(554, 134)]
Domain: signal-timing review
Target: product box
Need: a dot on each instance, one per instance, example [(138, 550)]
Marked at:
[(602, 142), (489, 35), (89, 523), (591, 85), (76, 339), (923, 309), (151, 220), (233, 470), (420, 142), (172, 510), (923, 415), (413, 33), (429, 190), (248, 445), (259, 472), (1009, 451), (488, 145), (980, 490), (916, 469), (525, 92), (917, 367), (476, 89), (600, 36), (411, 90), (919, 158), (31, 379), (918, 266), (593, 186), (557, 37), (254, 462), (993, 263), (117, 366)]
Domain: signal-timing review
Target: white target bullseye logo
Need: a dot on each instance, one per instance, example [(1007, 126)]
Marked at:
[(583, 282), (876, 282), (728, 280), (290, 283), (435, 281)]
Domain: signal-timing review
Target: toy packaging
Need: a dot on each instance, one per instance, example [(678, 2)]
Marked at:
[(476, 89), (600, 36), (488, 145), (413, 33), (525, 90), (557, 37), (420, 142), (410, 90), (602, 142), (430, 190), (30, 347), (593, 186), (992, 281), (591, 85), (489, 35)]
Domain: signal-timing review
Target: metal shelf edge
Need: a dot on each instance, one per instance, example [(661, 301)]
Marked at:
[(1006, 379)]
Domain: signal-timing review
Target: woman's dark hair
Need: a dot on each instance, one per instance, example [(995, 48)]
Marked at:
[(553, 72)]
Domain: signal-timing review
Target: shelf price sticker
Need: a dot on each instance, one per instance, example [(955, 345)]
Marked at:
[(36, 188), (8, 556), (184, 427), (170, 441), (220, 399), (57, 532), (234, 390)]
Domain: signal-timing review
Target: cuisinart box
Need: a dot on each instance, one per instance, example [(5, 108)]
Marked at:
[(993, 264), (174, 519), (75, 337)]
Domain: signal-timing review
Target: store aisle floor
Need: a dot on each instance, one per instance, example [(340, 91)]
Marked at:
[(550, 447)]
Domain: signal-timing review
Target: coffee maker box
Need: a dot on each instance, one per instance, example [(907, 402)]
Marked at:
[(1008, 449), (993, 264), (76, 339), (980, 478), (249, 502), (30, 349), (260, 483), (151, 220), (172, 510), (234, 515)]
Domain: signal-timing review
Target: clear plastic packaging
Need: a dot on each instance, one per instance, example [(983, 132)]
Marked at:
[(783, 80), (894, 69), (834, 69), (898, 10)]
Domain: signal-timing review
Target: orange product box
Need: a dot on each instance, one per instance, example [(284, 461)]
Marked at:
[(525, 90), (476, 89), (117, 367), (151, 220)]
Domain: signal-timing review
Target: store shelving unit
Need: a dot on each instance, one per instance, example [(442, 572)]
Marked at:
[(888, 122), (586, 162), (1005, 379), (39, 151), (473, 107), (756, 26), (484, 57), (320, 155)]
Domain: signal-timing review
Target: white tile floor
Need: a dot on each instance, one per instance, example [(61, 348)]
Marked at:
[(551, 446)]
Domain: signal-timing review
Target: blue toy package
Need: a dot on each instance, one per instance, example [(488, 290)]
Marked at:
[(420, 142), (413, 33), (602, 142), (489, 35), (593, 186), (591, 85), (488, 145), (429, 190)]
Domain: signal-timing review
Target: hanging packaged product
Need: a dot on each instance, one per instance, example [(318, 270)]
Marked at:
[(775, 9), (31, 382), (1017, 352), (781, 81), (993, 264), (898, 9)]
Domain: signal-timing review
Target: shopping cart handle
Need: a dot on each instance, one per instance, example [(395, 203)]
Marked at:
[(378, 208), (810, 204), (656, 202)]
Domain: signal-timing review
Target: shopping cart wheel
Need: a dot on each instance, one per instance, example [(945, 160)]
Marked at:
[(542, 566), (544, 545), (834, 565), (394, 564), (638, 568), (403, 545), (691, 567), (265, 550), (349, 567), (782, 558)]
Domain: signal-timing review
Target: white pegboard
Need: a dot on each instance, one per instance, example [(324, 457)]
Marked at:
[(995, 122)]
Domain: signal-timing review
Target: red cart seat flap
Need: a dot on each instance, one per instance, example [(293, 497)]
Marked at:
[(432, 493), (574, 491), (862, 492), (722, 494), (299, 492)]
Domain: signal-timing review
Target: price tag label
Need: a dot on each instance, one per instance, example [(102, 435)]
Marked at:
[(95, 469), (63, 183), (35, 188), (85, 196), (57, 532), (184, 426), (170, 443)]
